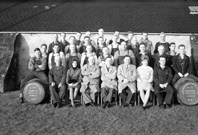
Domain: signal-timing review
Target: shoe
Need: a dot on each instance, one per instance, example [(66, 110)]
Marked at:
[(92, 104), (55, 104), (74, 106), (105, 104), (126, 105), (144, 107), (161, 106), (168, 106), (58, 105), (108, 105), (20, 101)]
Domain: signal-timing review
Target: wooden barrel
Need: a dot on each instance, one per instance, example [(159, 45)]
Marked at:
[(187, 91), (34, 91)]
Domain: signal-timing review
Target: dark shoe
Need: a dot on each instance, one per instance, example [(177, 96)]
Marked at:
[(55, 104), (108, 104), (144, 107), (168, 106), (58, 105), (74, 106), (105, 104), (161, 106), (20, 101), (92, 104), (126, 105)]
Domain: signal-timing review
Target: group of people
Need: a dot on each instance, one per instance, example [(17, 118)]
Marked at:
[(108, 66)]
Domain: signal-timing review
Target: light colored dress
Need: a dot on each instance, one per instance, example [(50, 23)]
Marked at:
[(145, 78)]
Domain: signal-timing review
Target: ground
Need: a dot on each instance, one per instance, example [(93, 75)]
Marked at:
[(23, 119)]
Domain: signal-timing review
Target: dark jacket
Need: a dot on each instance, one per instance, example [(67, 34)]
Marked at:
[(74, 74), (57, 75), (139, 59), (155, 60), (162, 76), (166, 47), (179, 67)]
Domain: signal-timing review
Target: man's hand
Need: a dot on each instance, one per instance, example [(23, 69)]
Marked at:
[(75, 84), (60, 85), (53, 83), (161, 86), (125, 81), (186, 75), (165, 85), (180, 74), (91, 73)]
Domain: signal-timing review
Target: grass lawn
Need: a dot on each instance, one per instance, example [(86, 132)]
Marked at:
[(43, 119)]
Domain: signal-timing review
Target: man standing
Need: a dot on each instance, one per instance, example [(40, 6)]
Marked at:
[(57, 79), (156, 57), (55, 41), (109, 83), (147, 42), (162, 42), (120, 54), (162, 79), (90, 84), (127, 75)]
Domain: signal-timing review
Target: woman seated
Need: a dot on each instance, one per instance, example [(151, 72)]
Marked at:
[(72, 54), (144, 80), (73, 80), (89, 52), (105, 54)]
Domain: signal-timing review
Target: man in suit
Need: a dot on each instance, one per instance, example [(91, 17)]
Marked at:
[(109, 83), (57, 79), (90, 84), (127, 75), (182, 65), (162, 79)]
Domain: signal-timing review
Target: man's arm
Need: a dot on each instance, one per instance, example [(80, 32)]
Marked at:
[(31, 64), (95, 74), (156, 80)]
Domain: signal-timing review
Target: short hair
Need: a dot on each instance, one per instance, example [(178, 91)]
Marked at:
[(144, 57), (124, 42), (144, 33), (101, 29), (56, 44), (182, 45), (37, 49), (172, 43), (79, 33), (161, 45), (162, 34), (127, 56), (130, 32), (163, 56), (44, 45), (72, 36), (86, 37), (75, 60), (142, 43)]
